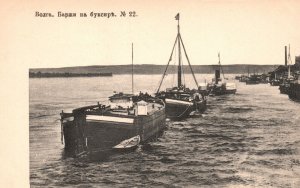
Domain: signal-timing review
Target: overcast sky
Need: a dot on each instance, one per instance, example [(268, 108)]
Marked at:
[(249, 32)]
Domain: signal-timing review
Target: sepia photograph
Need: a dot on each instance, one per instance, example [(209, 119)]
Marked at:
[(150, 93)]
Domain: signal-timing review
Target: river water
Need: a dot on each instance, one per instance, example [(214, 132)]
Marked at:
[(250, 139)]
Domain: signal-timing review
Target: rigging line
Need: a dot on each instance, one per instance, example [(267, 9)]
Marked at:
[(184, 111), (182, 72), (174, 67), (189, 62), (170, 59)]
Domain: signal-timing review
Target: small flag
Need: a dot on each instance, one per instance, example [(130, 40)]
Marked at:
[(177, 16)]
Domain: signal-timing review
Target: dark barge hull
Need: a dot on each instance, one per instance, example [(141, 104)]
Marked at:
[(294, 91), (218, 92), (251, 82), (231, 91), (97, 137), (178, 109), (284, 89), (275, 83), (224, 92)]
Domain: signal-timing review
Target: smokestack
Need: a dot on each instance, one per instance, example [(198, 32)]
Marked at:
[(285, 55), (217, 76)]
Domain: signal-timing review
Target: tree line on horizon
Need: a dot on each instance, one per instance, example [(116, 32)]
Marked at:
[(40, 74)]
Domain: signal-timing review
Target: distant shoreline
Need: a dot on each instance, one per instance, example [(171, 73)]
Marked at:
[(64, 75), (146, 69)]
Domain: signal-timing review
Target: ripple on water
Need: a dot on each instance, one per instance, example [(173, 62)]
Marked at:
[(251, 139)]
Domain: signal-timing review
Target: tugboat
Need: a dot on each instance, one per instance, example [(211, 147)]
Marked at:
[(100, 130), (284, 86), (219, 87), (181, 101)]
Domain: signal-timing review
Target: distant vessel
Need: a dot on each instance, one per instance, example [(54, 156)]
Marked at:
[(284, 86), (221, 87), (125, 122), (275, 81), (243, 78), (291, 85), (181, 101), (253, 79)]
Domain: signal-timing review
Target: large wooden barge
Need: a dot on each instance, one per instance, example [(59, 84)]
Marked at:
[(97, 129)]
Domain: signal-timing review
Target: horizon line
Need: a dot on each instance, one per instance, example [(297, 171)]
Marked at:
[(154, 65)]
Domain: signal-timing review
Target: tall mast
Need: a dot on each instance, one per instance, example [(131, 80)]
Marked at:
[(132, 68), (180, 42), (179, 52)]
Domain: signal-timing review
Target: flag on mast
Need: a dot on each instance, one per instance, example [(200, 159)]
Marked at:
[(177, 16)]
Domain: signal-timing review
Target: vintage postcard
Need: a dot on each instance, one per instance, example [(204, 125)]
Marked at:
[(150, 93)]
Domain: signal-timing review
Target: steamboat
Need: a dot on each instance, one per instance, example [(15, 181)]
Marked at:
[(219, 86)]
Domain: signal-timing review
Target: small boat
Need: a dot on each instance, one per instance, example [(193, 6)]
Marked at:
[(221, 86), (128, 144), (181, 101)]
